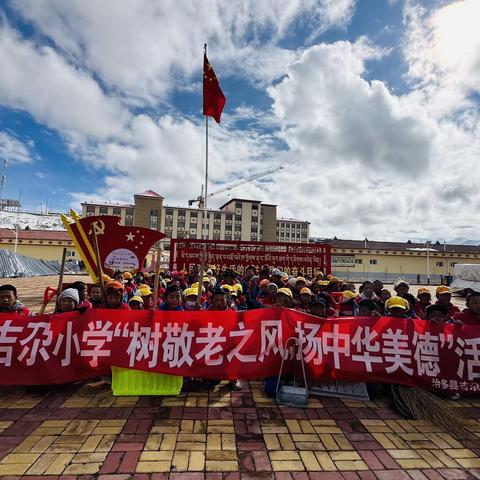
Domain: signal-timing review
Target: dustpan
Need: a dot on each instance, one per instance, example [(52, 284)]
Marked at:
[(292, 395)]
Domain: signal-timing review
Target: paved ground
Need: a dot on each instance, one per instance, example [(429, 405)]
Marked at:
[(78, 432)]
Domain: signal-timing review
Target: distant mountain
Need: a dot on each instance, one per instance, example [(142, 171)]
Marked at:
[(464, 241)]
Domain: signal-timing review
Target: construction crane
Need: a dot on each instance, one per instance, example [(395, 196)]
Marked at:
[(261, 174)]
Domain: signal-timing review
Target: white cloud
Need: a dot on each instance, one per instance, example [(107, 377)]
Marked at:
[(14, 150), (332, 114), (54, 92), (143, 48), (359, 160), (442, 51)]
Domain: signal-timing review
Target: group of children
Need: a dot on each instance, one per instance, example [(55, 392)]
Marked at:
[(319, 296)]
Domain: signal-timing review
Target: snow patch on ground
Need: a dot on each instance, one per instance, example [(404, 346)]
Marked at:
[(34, 221)]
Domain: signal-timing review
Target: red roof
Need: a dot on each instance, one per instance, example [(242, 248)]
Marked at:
[(55, 235), (148, 193)]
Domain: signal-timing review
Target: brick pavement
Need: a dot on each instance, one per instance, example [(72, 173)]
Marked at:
[(77, 432)]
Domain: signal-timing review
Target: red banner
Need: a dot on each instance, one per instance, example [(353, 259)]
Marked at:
[(60, 348), (289, 257)]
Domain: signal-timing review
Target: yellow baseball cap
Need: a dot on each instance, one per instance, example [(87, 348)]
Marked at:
[(238, 287), (442, 289), (136, 298), (285, 291), (305, 290), (397, 302), (301, 279), (349, 294), (227, 287), (190, 291), (423, 290), (144, 291), (333, 280)]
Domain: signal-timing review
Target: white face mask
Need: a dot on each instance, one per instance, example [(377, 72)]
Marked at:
[(190, 304)]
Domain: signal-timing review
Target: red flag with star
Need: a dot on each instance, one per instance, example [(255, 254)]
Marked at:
[(120, 247), (213, 97)]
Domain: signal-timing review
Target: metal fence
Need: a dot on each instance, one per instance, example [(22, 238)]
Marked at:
[(15, 265)]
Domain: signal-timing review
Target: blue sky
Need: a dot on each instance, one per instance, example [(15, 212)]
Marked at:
[(371, 106)]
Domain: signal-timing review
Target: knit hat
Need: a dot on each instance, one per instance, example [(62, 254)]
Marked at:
[(69, 293), (400, 282)]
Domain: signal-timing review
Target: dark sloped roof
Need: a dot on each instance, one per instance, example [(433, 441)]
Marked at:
[(399, 246), (56, 235)]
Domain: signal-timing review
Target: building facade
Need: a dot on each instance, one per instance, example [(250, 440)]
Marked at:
[(42, 244), (359, 260), (292, 231), (237, 219), (354, 260)]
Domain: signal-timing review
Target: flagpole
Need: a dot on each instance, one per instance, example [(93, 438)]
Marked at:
[(205, 217)]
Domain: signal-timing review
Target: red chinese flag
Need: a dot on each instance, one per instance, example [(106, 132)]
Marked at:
[(121, 248), (213, 97)]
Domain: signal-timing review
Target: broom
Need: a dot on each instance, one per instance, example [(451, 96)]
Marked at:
[(419, 404)]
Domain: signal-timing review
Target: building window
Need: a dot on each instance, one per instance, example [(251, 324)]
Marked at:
[(229, 216), (169, 211), (128, 222), (228, 237), (452, 264), (373, 261), (90, 209), (238, 204), (103, 210), (181, 224), (217, 216), (193, 214), (117, 211), (358, 261), (439, 264), (193, 226), (168, 223), (153, 219)]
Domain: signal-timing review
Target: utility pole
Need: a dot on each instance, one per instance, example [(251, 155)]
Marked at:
[(428, 262), (3, 181)]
